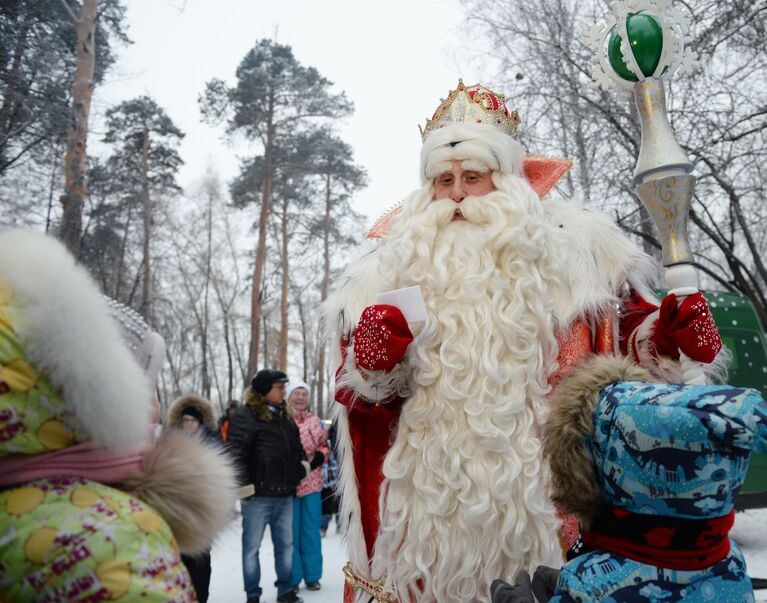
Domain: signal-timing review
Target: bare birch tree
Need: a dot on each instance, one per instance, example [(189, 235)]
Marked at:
[(719, 114)]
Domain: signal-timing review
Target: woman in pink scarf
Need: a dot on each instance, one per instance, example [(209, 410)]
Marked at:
[(307, 506)]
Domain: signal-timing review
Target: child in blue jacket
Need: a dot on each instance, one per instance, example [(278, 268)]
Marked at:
[(651, 470)]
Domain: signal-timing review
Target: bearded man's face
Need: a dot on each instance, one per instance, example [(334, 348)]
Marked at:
[(460, 180)]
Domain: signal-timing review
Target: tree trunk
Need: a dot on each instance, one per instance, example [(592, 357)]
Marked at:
[(173, 372), (325, 287), (123, 247), (285, 290), (258, 269), (205, 314), (304, 337), (238, 355), (77, 133), (219, 392), (51, 188), (266, 341), (229, 361), (146, 307)]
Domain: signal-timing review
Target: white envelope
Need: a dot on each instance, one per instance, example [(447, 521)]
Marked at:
[(409, 300)]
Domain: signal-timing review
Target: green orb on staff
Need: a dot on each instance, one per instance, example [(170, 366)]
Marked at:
[(638, 47)]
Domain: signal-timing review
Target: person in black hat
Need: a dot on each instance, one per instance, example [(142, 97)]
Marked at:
[(265, 444)]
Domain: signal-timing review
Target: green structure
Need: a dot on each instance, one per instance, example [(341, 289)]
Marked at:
[(744, 336), (742, 333)]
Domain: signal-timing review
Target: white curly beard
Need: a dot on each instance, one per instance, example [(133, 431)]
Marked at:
[(465, 498)]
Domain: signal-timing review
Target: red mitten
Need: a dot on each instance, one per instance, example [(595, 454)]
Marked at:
[(381, 337), (688, 327)]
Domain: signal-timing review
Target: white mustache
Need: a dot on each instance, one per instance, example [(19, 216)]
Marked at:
[(479, 211)]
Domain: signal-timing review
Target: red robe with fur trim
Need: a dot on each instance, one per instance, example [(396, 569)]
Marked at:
[(372, 426), (598, 265)]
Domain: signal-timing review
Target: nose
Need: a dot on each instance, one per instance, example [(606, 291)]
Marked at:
[(457, 191)]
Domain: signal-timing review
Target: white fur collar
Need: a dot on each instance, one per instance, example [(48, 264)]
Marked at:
[(70, 336), (596, 259)]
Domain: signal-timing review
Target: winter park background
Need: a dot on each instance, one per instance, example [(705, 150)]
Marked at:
[(227, 239), (176, 183)]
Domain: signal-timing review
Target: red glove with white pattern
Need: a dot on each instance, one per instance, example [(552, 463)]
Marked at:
[(381, 337), (688, 327)]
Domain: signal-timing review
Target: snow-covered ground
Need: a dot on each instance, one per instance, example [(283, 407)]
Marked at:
[(750, 532), (226, 585)]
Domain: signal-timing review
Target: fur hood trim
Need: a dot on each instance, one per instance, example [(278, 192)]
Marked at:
[(351, 510), (191, 484), (574, 485), (198, 402), (69, 335)]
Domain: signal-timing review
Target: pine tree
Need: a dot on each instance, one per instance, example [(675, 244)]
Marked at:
[(146, 161), (341, 178), (273, 92)]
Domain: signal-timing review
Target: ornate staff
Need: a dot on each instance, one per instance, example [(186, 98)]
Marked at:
[(641, 44)]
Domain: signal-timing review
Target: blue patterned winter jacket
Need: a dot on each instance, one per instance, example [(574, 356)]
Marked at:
[(670, 450)]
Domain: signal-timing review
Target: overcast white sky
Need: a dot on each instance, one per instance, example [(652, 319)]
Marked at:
[(394, 59)]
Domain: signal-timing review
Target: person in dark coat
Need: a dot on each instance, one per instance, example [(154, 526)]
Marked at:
[(265, 444), (194, 415)]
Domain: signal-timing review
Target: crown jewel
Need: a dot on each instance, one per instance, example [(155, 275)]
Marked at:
[(473, 104)]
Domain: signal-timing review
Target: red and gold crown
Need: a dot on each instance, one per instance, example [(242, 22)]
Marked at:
[(473, 104)]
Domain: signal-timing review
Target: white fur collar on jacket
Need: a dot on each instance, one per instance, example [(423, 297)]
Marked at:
[(69, 334)]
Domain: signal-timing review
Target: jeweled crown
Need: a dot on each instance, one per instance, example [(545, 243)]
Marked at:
[(473, 104)]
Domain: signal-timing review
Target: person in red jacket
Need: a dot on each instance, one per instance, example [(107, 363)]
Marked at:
[(444, 486), (223, 422)]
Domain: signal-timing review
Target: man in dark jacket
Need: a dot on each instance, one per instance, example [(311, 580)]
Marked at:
[(265, 444)]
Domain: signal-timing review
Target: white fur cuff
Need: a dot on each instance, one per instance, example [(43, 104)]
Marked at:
[(375, 386), (639, 341)]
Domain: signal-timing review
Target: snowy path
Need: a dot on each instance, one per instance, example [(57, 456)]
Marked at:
[(750, 532), (226, 585)]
